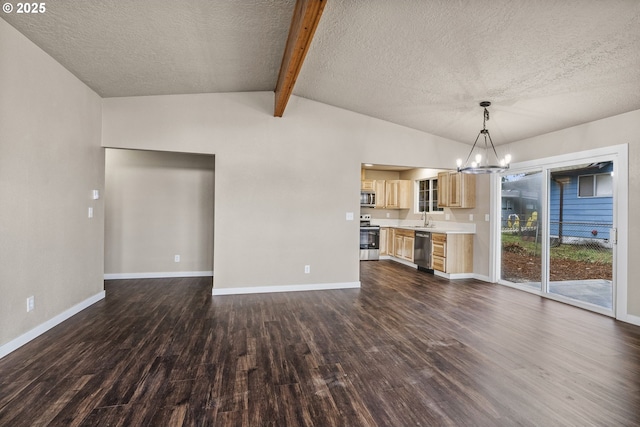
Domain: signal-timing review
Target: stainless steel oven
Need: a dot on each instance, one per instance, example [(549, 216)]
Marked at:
[(369, 239)]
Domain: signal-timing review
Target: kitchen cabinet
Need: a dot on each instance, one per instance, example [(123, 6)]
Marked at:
[(456, 190), (380, 189), (452, 253), (398, 194), (390, 194), (391, 235), (403, 244), (367, 185), (384, 237)]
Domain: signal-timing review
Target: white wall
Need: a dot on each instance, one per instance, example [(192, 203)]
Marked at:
[(283, 185), (158, 205), (50, 161)]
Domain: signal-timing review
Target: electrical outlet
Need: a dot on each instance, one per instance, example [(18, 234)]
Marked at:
[(486, 217), (447, 217), (90, 212), (307, 269), (470, 217), (31, 303), (176, 258)]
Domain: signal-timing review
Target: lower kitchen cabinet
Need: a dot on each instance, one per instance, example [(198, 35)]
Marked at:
[(403, 244), (452, 253), (384, 238)]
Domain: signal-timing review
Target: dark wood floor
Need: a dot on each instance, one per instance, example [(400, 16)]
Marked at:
[(406, 349)]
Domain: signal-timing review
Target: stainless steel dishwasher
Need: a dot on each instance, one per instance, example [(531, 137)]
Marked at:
[(422, 251)]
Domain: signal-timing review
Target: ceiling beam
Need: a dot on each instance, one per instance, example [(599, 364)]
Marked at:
[(306, 16)]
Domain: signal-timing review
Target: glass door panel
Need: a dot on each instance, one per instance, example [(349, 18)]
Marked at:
[(580, 242), (521, 232)]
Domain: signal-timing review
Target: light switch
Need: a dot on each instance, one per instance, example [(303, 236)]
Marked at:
[(90, 212), (95, 194)]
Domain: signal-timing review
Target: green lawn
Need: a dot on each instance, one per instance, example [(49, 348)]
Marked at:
[(582, 253)]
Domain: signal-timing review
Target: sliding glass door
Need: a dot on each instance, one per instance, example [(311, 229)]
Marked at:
[(558, 231)]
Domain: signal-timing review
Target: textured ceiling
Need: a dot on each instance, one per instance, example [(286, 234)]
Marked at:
[(545, 64)]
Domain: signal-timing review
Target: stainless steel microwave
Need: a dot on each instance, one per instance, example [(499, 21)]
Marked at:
[(367, 199)]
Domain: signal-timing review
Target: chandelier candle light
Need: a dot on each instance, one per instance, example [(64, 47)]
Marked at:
[(481, 164)]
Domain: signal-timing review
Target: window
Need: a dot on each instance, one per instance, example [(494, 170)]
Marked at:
[(428, 195), (600, 185)]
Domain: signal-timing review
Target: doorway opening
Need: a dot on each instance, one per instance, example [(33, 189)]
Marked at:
[(159, 214)]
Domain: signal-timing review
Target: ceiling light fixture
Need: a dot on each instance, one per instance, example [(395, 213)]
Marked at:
[(481, 164)]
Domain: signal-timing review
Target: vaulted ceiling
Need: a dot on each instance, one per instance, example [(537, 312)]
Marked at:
[(426, 64)]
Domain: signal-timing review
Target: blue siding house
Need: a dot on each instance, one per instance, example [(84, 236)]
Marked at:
[(581, 203)]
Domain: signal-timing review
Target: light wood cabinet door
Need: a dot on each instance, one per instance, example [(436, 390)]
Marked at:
[(398, 246), (379, 186), (407, 248), (391, 194), (443, 190), (456, 190), (398, 194), (391, 237), (367, 185), (384, 235)]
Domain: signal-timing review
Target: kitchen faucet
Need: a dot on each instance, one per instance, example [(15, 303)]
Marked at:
[(426, 219)]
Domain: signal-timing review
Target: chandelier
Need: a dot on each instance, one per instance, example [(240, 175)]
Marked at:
[(485, 161)]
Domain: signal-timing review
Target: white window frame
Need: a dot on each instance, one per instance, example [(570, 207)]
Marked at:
[(432, 186), (595, 185)]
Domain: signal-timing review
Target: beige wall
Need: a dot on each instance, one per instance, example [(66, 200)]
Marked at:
[(158, 205), (308, 164), (283, 185), (50, 161)]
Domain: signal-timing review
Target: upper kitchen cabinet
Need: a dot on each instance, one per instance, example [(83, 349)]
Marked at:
[(456, 190), (367, 185), (389, 194), (397, 194), (381, 190)]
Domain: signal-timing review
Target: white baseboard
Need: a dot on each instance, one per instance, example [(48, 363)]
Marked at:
[(454, 276), (160, 275), (630, 318), (482, 278), (285, 288), (403, 261), (44, 327)]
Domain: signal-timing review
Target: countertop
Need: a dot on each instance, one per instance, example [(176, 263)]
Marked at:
[(436, 229), (443, 227)]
